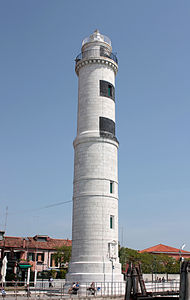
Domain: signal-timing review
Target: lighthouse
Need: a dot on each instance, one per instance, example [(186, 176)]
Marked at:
[(95, 186)]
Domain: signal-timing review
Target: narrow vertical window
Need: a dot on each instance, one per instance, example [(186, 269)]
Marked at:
[(104, 52), (106, 125), (111, 187), (111, 222), (109, 90)]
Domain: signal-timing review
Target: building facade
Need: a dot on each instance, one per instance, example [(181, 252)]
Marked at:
[(95, 190), (167, 250), (35, 252)]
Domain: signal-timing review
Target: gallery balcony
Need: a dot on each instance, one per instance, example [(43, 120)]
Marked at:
[(95, 53)]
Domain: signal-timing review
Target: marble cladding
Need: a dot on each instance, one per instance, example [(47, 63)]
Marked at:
[(95, 168)]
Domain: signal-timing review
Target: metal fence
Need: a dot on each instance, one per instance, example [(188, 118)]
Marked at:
[(62, 290), (169, 286)]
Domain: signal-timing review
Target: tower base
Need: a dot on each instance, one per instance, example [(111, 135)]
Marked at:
[(106, 276)]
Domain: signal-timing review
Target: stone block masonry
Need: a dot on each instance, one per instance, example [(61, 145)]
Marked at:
[(95, 186)]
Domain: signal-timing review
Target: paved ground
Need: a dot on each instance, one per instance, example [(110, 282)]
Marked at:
[(45, 297)]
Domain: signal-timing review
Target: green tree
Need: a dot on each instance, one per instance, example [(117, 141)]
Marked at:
[(128, 255), (149, 263), (62, 255), (62, 274), (53, 274)]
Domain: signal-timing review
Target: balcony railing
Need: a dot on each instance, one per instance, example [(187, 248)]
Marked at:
[(94, 53)]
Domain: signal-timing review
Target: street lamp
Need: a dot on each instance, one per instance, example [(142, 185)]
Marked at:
[(181, 259), (112, 256), (180, 249)]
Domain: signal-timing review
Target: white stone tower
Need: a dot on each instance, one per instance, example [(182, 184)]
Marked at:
[(95, 195)]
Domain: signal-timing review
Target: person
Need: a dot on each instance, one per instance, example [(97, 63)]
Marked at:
[(3, 292), (75, 288), (27, 289), (72, 288), (92, 288), (163, 279), (50, 282)]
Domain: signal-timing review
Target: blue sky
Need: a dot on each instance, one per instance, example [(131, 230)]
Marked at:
[(39, 41)]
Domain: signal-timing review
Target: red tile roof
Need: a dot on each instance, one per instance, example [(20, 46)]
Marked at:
[(33, 243), (160, 248)]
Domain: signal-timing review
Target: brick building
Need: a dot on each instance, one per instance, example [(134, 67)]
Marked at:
[(167, 250), (35, 252)]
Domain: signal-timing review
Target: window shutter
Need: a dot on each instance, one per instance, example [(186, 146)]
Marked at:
[(106, 125), (107, 89)]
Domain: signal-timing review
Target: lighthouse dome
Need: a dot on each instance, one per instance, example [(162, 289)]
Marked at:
[(96, 37)]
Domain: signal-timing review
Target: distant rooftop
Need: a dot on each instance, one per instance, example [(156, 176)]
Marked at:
[(38, 241), (164, 249), (96, 36)]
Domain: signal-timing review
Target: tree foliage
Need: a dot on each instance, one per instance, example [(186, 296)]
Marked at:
[(149, 263), (62, 255)]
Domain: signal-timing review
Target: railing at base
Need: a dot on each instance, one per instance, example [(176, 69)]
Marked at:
[(61, 289), (155, 287)]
